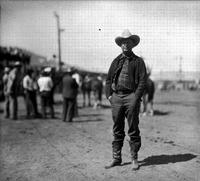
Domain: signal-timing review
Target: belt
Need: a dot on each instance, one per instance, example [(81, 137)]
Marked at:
[(123, 91)]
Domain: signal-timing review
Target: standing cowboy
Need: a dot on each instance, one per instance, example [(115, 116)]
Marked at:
[(125, 84), (30, 93), (45, 85), (13, 87), (5, 91), (69, 92)]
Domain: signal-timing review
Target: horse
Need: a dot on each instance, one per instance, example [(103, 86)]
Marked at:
[(148, 96), (97, 87), (86, 90)]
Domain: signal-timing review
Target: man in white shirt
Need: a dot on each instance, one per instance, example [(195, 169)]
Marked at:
[(30, 94), (28, 88), (45, 85)]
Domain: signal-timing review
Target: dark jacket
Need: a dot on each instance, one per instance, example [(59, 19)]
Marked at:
[(70, 87), (137, 75)]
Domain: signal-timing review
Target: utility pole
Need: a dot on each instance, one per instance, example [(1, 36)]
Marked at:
[(59, 30), (180, 68)]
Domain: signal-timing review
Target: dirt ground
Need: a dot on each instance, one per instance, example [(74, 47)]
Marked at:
[(51, 150)]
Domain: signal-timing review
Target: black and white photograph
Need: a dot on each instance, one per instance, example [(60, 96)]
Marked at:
[(99, 90)]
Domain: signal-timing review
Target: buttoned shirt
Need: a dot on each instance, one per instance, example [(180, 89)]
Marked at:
[(28, 83), (123, 83), (136, 72), (45, 84)]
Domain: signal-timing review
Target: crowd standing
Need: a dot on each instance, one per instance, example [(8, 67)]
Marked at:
[(43, 85)]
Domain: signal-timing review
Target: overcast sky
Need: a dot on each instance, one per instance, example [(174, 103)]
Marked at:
[(168, 30)]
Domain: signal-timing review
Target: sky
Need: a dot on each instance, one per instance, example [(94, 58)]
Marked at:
[(169, 31)]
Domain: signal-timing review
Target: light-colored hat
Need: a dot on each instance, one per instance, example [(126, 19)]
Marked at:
[(125, 36), (47, 69), (17, 64), (68, 70), (6, 70)]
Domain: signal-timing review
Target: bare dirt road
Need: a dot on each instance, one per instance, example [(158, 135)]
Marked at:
[(51, 150)]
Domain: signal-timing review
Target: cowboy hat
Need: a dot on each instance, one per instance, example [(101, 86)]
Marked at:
[(17, 64), (68, 70), (7, 69), (125, 36), (47, 69)]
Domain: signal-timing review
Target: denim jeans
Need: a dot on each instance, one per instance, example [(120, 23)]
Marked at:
[(123, 106)]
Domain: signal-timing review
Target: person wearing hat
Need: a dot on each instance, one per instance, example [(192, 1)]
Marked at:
[(30, 88), (13, 87), (69, 92), (125, 84), (5, 91), (45, 85)]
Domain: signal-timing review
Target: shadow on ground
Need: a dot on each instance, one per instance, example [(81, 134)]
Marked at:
[(88, 120), (103, 106), (90, 115), (161, 113), (179, 103), (165, 159)]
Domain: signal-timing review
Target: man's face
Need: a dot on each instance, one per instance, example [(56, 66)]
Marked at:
[(127, 46)]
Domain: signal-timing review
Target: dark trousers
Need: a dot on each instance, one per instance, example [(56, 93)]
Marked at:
[(68, 109), (14, 106), (76, 108), (7, 106), (34, 102), (123, 107), (88, 95), (46, 101), (31, 102)]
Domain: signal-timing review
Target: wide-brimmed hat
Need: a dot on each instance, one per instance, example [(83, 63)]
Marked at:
[(17, 64), (67, 70), (125, 36), (47, 69), (6, 69)]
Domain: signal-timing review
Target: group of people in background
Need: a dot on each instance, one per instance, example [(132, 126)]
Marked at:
[(43, 84), (31, 84)]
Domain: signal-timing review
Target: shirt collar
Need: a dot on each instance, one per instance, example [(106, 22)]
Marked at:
[(130, 58)]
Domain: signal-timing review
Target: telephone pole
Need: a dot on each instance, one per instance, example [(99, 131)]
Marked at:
[(59, 30), (180, 68)]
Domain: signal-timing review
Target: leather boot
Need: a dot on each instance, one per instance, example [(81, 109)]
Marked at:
[(117, 159), (134, 148), (113, 164)]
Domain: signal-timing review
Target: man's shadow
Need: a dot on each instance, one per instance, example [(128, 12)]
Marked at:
[(161, 113), (165, 159)]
